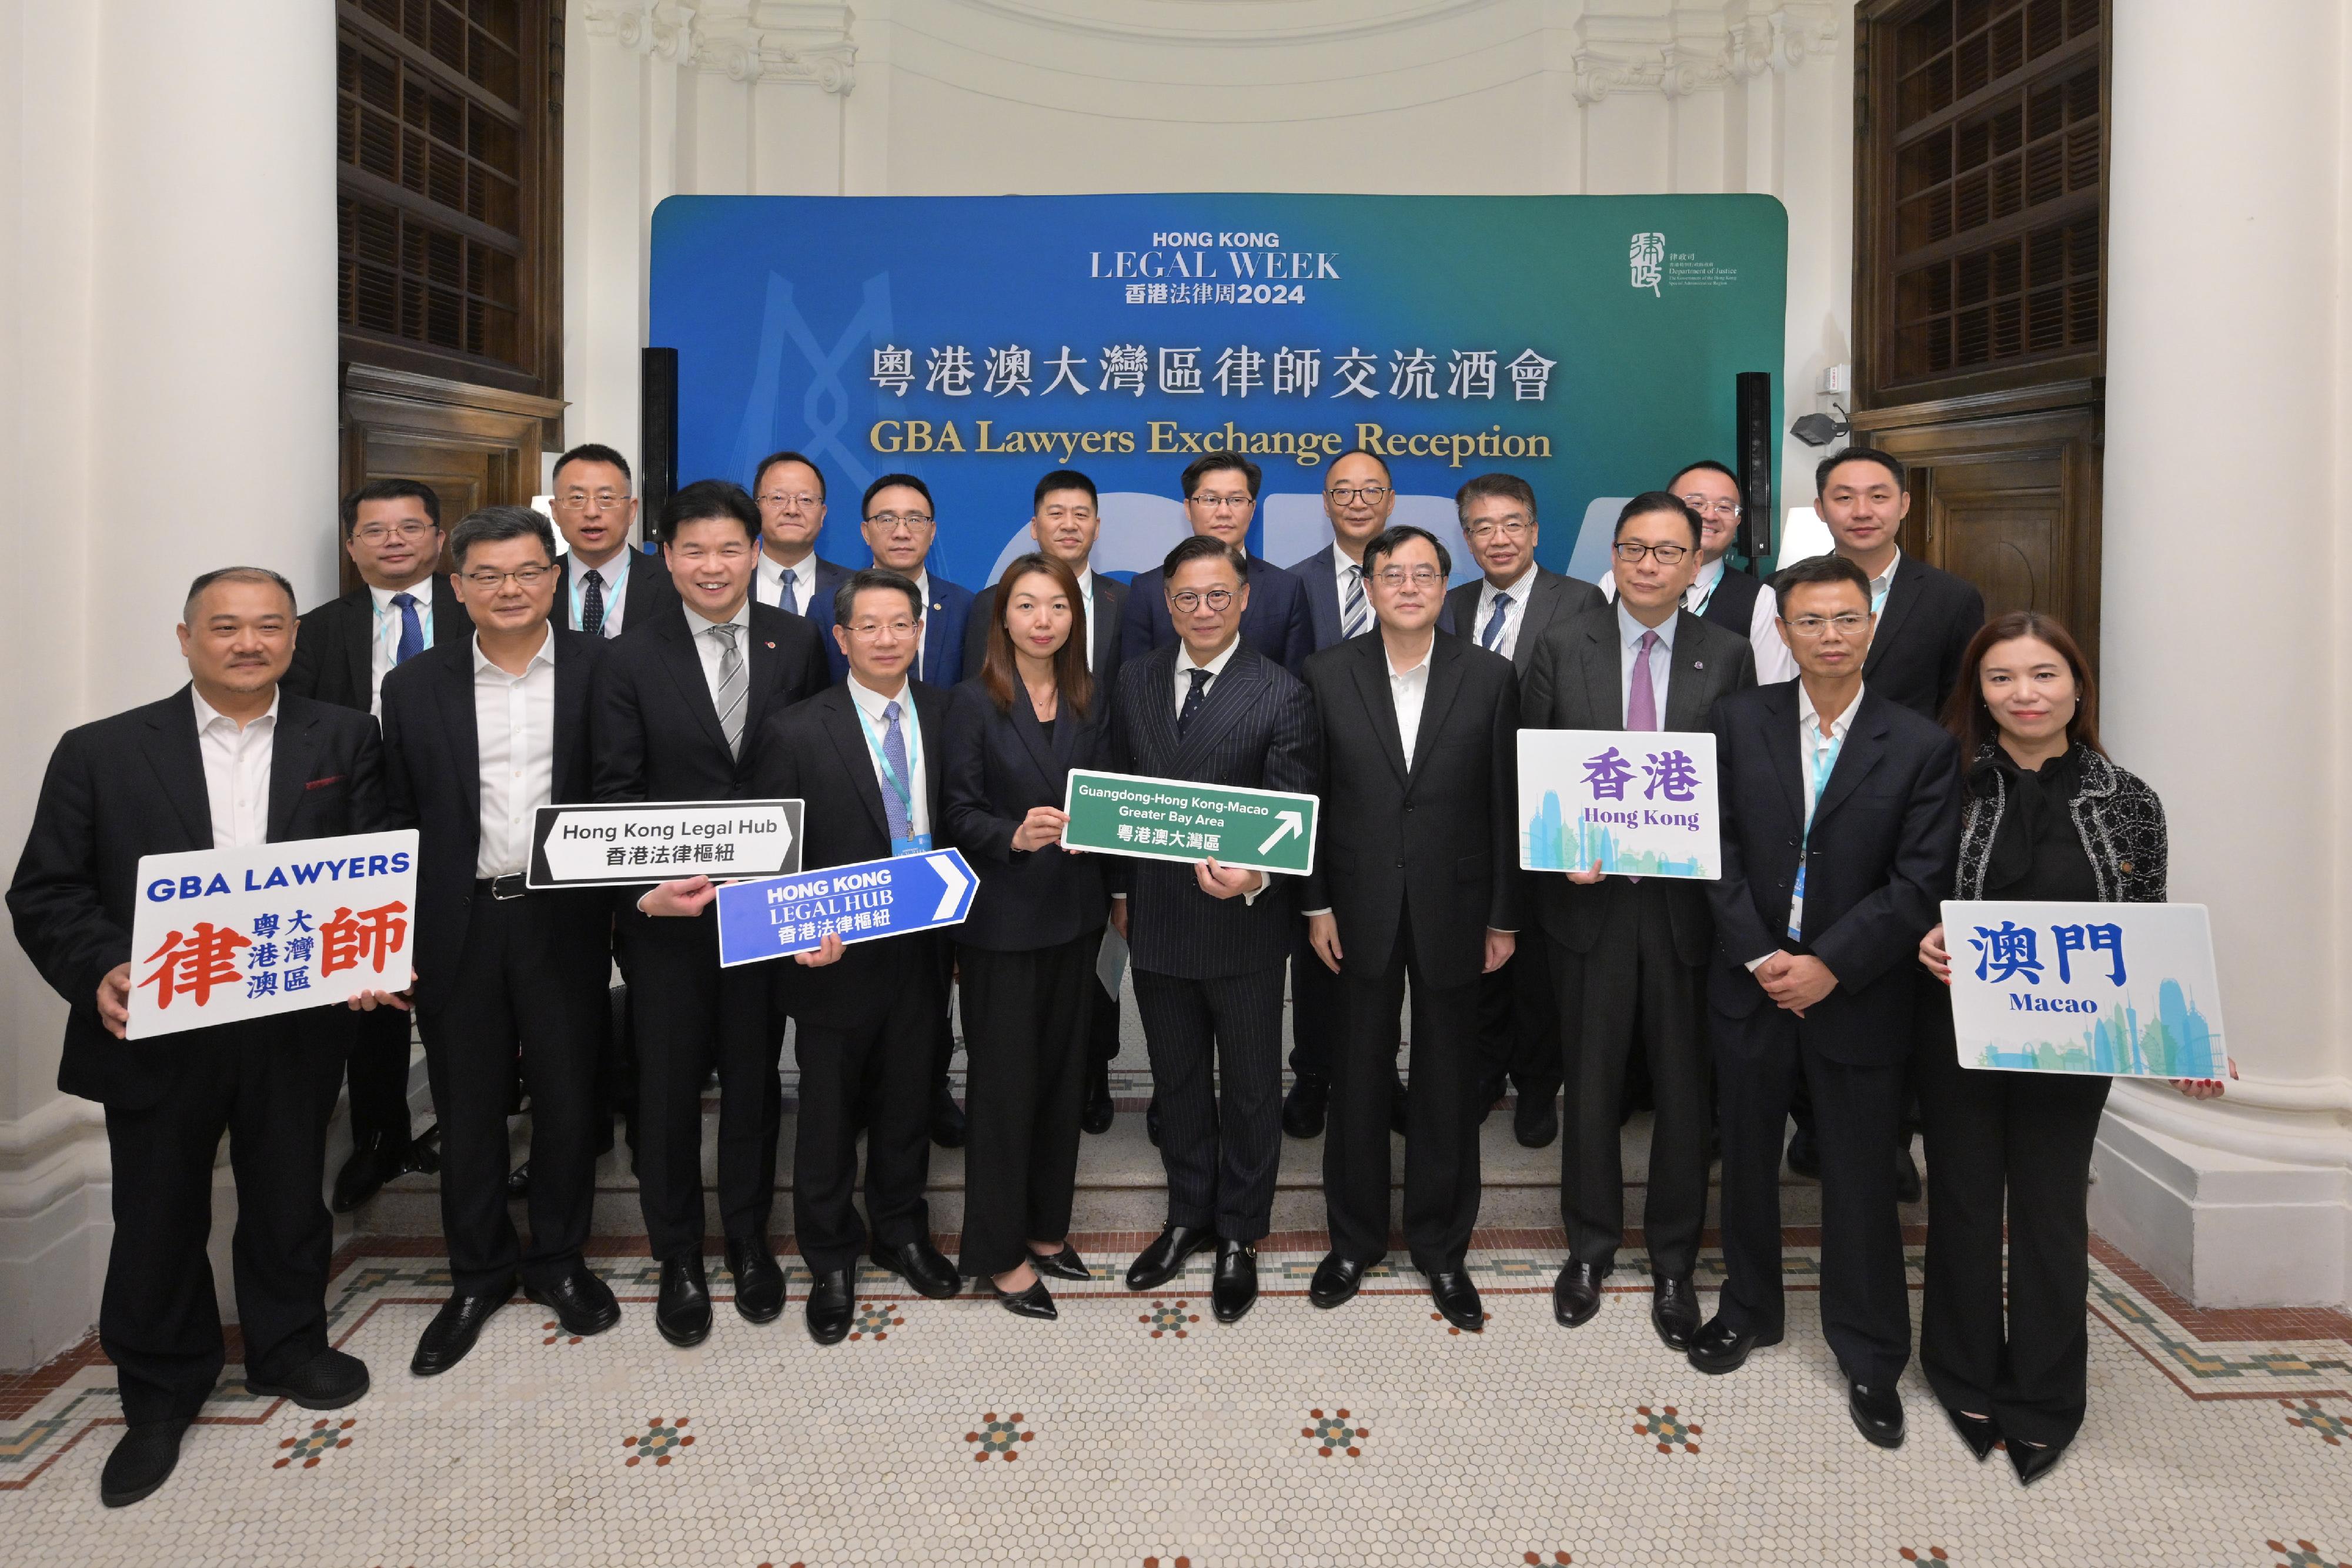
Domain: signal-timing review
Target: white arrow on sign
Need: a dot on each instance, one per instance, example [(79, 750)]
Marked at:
[(1286, 824), (954, 881)]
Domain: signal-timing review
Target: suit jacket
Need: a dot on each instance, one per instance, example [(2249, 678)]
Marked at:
[(1276, 625), (433, 782), (1451, 867), (1255, 728), (1110, 598), (1879, 861), (1922, 635), (999, 766), (1551, 597), (944, 619), (816, 752), (644, 593), (133, 784), (1578, 683), (818, 612), (1732, 605), (1318, 578), (332, 647), (655, 728)]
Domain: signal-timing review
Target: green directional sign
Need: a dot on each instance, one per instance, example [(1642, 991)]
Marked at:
[(1176, 819)]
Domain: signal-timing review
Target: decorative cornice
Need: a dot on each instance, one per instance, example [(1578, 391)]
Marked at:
[(769, 40), (1690, 51)]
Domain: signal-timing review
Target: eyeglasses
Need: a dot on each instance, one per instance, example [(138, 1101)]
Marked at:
[(1218, 503), (790, 503), (1397, 576), (874, 630), (603, 500), (1708, 508), (1631, 553), (891, 522), (1188, 600), (378, 533), (1848, 623), (527, 577), (1349, 494), (1506, 527)]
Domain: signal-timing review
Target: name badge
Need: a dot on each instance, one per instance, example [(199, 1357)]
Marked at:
[(913, 844)]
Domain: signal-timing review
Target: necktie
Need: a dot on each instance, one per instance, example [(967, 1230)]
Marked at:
[(789, 599), (592, 605), (1355, 616), (1491, 639), (732, 683), (411, 631), (1641, 698), (1192, 700), (894, 752)]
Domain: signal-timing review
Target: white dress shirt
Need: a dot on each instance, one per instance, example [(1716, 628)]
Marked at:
[(1409, 689), (1813, 746), (1086, 591), (1880, 585), (921, 578), (383, 648), (1773, 659), (1515, 615), (870, 704), (1662, 661), (708, 648), (769, 589), (236, 773), (514, 730), (615, 574), (1215, 667)]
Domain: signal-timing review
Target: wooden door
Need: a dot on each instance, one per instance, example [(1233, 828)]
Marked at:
[(475, 446)]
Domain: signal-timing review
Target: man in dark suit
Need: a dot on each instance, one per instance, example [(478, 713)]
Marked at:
[(604, 586), (790, 490), (678, 710), (229, 761), (1063, 519), (1732, 599), (1840, 814), (392, 531), (868, 771), (1506, 612), (1208, 941), (479, 735), (1220, 491), (1416, 879), (1633, 949)]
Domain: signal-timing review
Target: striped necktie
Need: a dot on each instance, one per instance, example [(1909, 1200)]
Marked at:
[(1491, 639), (729, 698), (1354, 615)]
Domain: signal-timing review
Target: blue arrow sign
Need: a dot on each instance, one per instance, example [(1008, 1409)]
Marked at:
[(777, 915)]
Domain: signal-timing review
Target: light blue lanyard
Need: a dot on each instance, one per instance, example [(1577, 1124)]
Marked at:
[(613, 600), (1819, 766), (904, 789)]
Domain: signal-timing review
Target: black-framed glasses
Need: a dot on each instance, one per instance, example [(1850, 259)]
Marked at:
[(1632, 552), (1848, 622), (1349, 494), (1189, 599), (380, 533), (525, 577)]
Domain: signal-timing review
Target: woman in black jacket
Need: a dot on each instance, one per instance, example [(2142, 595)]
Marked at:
[(1026, 949), (2047, 816)]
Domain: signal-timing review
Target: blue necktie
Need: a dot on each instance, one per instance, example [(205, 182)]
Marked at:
[(1192, 699), (894, 752), (1491, 639), (789, 601), (412, 630)]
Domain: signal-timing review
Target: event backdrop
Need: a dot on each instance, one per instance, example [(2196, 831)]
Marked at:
[(1587, 343)]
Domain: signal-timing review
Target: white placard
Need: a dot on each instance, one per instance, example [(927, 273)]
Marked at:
[(1640, 803), (2125, 990), (625, 845)]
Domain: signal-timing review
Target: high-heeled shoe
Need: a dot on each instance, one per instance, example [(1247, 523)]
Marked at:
[(1033, 1302), (2031, 1463), (1064, 1265), (1979, 1432)]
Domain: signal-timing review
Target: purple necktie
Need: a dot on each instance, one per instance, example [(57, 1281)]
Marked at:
[(1640, 701)]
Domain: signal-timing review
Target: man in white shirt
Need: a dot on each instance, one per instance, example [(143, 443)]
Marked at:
[(790, 490), (1731, 598), (901, 524), (604, 587)]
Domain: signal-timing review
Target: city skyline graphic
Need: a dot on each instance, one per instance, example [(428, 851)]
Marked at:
[(2177, 1041), (1550, 842)]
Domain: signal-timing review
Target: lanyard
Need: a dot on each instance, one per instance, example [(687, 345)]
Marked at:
[(904, 789), (612, 591), (1820, 763), (1708, 597)]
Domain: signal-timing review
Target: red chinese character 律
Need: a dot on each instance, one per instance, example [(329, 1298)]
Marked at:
[(192, 963), (373, 935)]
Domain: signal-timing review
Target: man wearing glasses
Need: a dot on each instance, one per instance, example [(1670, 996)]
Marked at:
[(1733, 599), (602, 587), (899, 524), (342, 651), (790, 491), (1221, 493)]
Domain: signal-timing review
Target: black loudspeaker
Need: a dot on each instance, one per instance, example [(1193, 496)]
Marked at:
[(1755, 445), (656, 436)]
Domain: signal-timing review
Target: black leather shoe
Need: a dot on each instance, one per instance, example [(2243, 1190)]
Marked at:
[(1234, 1289), (1804, 1156), (1490, 1091), (1457, 1300), (1674, 1310), (1719, 1348), (423, 1152), (1908, 1187), (375, 1161), (2031, 1463), (682, 1311), (1535, 1122), (518, 1183), (143, 1459), (454, 1330), (328, 1381), (1064, 1265), (830, 1304), (1877, 1413), (1979, 1432), (581, 1302), (1152, 1120), (1576, 1292), (920, 1265), (1033, 1302), (948, 1127), (1100, 1112), (1166, 1256), (759, 1281), (1337, 1281), (1400, 1108), (1304, 1107)]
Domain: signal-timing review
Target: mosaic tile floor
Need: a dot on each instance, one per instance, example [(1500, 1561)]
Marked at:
[(1136, 1431)]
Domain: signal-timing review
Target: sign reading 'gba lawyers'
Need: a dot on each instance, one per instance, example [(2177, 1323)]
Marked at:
[(225, 935), (1176, 819), (861, 903), (1633, 802), (2127, 989), (628, 845)]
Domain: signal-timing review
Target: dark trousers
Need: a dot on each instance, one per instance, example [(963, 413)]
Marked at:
[(876, 1075), (1220, 1141), (1632, 998), (270, 1085), (1314, 1012), (519, 985), (1865, 1315), (1102, 1026), (1440, 1141), (1518, 1021), (687, 1015), (378, 1074), (2025, 1137), (1028, 1022)]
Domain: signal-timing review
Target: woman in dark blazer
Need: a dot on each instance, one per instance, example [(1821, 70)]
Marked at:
[(2046, 817), (1027, 948)]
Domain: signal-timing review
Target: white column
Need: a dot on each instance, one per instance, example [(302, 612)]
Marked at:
[(2224, 646)]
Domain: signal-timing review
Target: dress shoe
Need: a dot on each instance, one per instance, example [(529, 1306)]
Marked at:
[(759, 1281), (328, 1381), (1576, 1292), (682, 1311), (375, 1160), (830, 1304), (1166, 1256), (1337, 1281), (920, 1265), (1535, 1122), (423, 1151), (1719, 1348), (1152, 1120), (1457, 1300), (1908, 1187), (1033, 1302), (1064, 1265), (1979, 1432), (1099, 1111), (2031, 1463), (1804, 1154), (1304, 1107), (1234, 1289), (1877, 1412), (1673, 1310), (581, 1302), (948, 1126), (1400, 1108), (454, 1330), (518, 1183), (1490, 1092), (142, 1461)]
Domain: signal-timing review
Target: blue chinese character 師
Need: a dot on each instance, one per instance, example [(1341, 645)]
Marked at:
[(1608, 774), (2087, 939), (1673, 774), (2008, 952)]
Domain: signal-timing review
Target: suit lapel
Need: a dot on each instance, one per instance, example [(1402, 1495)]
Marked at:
[(1437, 699), (360, 649), (1109, 599), (842, 726), (1543, 603), (1688, 686), (178, 758), (1781, 718), (455, 691), (761, 649), (1865, 743), (685, 669), (1902, 598), (292, 752), (1604, 672), (1369, 668), (1155, 723), (573, 672), (1230, 695), (1024, 713)]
